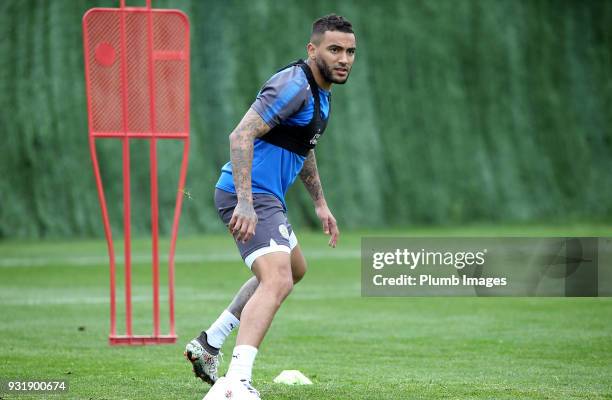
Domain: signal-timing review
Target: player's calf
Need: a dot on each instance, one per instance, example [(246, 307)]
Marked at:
[(298, 264)]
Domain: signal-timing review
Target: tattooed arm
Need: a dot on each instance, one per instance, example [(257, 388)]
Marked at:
[(244, 219), (310, 177)]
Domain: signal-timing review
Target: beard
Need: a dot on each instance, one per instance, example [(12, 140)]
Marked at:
[(328, 72)]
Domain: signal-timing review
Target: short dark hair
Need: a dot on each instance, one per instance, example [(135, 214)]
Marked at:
[(331, 22)]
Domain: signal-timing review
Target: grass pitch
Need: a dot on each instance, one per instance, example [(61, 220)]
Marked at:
[(54, 325)]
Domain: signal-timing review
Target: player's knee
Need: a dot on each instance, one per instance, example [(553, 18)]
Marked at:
[(279, 284), (282, 285), (285, 287)]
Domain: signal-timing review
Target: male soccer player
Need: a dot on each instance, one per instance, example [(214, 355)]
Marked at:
[(273, 144)]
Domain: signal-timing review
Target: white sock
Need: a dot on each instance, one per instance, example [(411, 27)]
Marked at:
[(221, 328), (241, 366)]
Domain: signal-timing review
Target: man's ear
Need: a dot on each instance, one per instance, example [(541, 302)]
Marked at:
[(311, 48)]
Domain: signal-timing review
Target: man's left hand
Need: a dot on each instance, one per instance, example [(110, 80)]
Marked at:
[(329, 224)]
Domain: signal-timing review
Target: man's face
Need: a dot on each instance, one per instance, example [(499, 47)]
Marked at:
[(334, 56)]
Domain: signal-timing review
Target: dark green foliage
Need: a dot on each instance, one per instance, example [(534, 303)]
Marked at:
[(456, 111)]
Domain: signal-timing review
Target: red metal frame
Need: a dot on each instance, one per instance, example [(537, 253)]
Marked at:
[(124, 134)]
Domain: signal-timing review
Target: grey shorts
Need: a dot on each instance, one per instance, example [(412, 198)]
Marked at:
[(273, 231)]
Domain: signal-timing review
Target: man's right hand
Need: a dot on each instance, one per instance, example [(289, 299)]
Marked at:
[(244, 219)]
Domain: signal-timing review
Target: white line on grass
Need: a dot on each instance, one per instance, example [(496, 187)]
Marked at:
[(87, 261), (52, 299)]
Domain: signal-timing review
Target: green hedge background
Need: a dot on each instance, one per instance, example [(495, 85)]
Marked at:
[(486, 111)]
